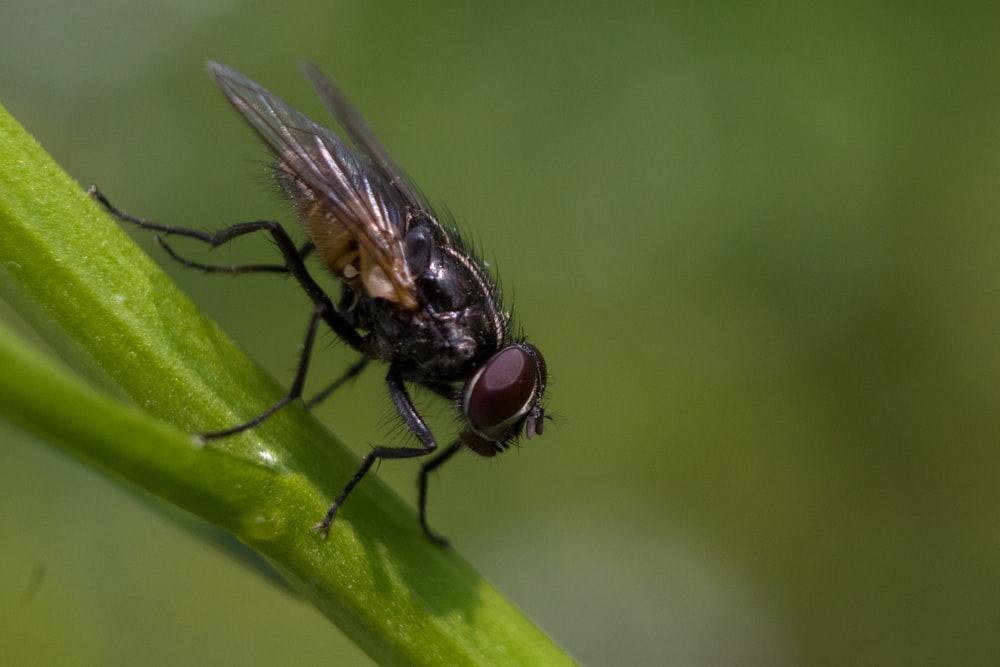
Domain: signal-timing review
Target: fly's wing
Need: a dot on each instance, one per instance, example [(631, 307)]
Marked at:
[(361, 134), (360, 197)]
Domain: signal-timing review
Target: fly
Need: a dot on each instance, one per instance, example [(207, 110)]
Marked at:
[(412, 295)]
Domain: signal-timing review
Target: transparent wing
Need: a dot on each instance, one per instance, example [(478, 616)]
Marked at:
[(361, 134), (362, 199)]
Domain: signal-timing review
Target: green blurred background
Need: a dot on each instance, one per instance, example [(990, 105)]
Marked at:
[(758, 246)]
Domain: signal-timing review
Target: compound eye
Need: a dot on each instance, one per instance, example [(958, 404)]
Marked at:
[(503, 391)]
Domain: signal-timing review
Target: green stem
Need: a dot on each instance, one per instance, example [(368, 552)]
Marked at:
[(166, 370)]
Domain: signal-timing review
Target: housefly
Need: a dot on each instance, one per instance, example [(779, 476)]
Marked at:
[(412, 294)]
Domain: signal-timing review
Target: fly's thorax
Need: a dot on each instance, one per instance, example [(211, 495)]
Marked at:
[(451, 280), (458, 324)]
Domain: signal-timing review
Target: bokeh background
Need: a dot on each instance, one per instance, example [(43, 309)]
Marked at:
[(759, 246)]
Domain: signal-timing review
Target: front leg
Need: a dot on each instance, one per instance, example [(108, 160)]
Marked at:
[(404, 406), (425, 470)]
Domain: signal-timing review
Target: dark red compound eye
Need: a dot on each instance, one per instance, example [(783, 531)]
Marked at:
[(504, 391)]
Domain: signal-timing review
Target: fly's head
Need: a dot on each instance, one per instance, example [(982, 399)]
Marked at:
[(503, 397)]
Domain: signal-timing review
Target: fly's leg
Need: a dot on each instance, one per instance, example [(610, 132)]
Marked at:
[(425, 470), (404, 406), (234, 270), (292, 255), (294, 392), (323, 309)]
